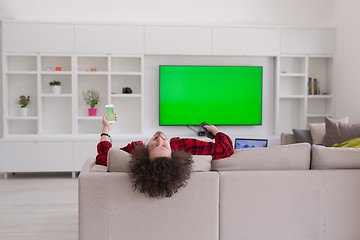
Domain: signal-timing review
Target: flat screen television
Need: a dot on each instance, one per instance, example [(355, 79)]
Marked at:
[(218, 95)]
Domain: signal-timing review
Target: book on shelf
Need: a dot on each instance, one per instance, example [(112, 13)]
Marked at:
[(313, 86)]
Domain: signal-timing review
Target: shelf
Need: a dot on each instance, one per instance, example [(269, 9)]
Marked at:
[(127, 73), (21, 72), (292, 75), (92, 73), (56, 72), (318, 115), (23, 118), (126, 95), (90, 118), (320, 96), (292, 96)]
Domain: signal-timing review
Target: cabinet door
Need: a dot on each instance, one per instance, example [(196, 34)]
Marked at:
[(83, 151), (306, 41), (109, 39), (38, 37), (178, 40), (37, 156), (245, 41)]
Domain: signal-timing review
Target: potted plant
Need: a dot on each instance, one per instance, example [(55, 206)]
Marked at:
[(91, 97), (23, 102), (55, 87)]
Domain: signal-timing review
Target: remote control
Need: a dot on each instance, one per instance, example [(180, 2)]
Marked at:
[(207, 132)]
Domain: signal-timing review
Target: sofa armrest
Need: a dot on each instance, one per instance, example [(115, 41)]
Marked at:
[(90, 166), (287, 138)]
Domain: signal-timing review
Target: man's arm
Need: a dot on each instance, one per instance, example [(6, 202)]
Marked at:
[(222, 147)]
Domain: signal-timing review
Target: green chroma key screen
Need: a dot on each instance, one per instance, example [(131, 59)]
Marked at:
[(219, 95)]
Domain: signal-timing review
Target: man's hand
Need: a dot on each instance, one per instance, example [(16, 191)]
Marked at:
[(106, 125), (212, 129)]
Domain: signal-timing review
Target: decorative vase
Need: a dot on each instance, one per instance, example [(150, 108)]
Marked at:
[(92, 111), (56, 89), (24, 112)]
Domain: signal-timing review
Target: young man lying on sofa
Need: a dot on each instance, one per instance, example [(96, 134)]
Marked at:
[(161, 167)]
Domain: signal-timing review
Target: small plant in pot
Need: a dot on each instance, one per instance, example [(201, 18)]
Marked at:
[(23, 102), (91, 97), (55, 87)]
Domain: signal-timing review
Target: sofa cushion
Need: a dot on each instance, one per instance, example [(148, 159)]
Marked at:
[(334, 158), (284, 157), (302, 135), (338, 132), (318, 130), (118, 161)]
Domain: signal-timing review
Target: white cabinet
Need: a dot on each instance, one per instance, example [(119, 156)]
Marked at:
[(295, 106), (104, 38), (245, 41), (178, 40), (38, 37), (307, 41), (82, 151), (28, 156)]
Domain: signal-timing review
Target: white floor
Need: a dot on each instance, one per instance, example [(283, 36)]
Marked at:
[(39, 206)]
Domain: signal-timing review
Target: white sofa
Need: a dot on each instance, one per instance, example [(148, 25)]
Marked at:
[(257, 194)]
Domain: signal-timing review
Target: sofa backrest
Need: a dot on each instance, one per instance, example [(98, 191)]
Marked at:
[(110, 209), (283, 157)]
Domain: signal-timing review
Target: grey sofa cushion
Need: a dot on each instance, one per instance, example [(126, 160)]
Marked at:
[(302, 135), (338, 132), (283, 157), (335, 158), (318, 130), (118, 161)]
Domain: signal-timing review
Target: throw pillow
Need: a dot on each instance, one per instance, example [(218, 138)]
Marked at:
[(318, 130), (118, 161), (283, 157), (302, 135), (338, 132), (334, 158)]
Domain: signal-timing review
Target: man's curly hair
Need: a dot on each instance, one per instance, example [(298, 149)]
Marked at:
[(161, 177)]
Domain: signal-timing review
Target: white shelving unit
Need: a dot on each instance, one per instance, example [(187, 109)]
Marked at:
[(58, 125), (295, 107), (66, 113)]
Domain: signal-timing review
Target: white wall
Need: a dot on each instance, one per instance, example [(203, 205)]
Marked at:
[(151, 98), (274, 12), (186, 12), (347, 65)]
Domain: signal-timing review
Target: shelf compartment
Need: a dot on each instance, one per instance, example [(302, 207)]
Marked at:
[(321, 69), (291, 114), (87, 126), (290, 85), (292, 65), (57, 115), (319, 107), (118, 82), (86, 63), (49, 63), (20, 84), (23, 126), (21, 63), (99, 83), (128, 112), (126, 64), (64, 79)]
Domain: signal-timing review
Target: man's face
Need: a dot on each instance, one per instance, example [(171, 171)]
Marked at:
[(159, 146)]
